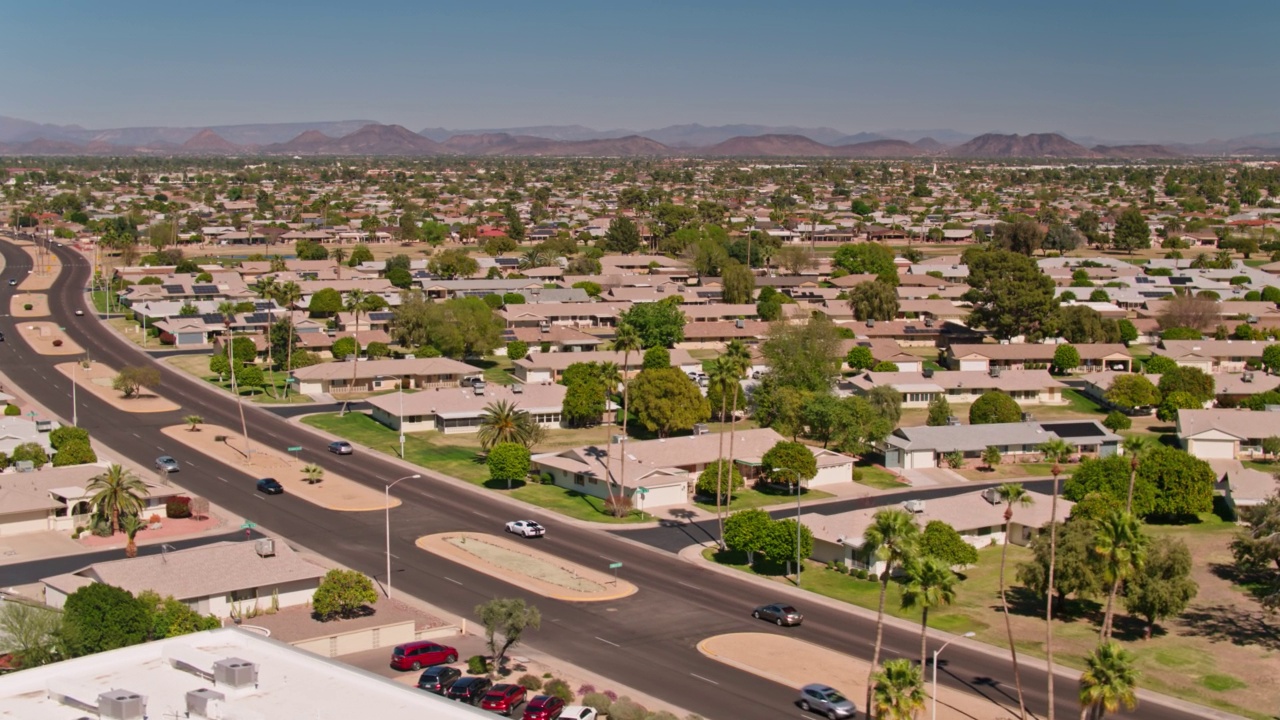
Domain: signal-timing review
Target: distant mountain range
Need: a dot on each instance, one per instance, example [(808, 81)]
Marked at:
[(361, 137)]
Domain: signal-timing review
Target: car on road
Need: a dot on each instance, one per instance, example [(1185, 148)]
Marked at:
[(417, 655), (579, 712), (779, 613), (341, 447), (1, 337), (167, 464), (270, 486), (544, 707), (437, 678), (826, 700), (13, 281), (468, 689), (79, 313), (503, 698), (526, 528)]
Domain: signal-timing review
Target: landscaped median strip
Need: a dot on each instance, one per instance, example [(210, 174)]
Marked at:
[(332, 492), (47, 338), (517, 561), (97, 379)]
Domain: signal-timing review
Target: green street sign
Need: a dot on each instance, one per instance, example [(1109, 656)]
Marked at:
[(296, 448), (615, 566), (642, 490)]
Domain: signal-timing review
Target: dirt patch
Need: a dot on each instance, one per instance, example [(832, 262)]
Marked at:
[(542, 572), (797, 663), (39, 303), (45, 268), (334, 492), (41, 336), (97, 379)]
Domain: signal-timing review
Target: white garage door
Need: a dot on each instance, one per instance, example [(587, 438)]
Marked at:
[(1212, 449), (974, 365)]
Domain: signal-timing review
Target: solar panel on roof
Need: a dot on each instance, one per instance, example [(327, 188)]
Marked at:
[(205, 289), (381, 315), (212, 318), (173, 289), (1073, 429), (257, 318), (263, 305)]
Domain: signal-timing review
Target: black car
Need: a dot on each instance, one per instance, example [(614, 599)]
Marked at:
[(341, 447), (270, 486), (468, 689), (438, 678)]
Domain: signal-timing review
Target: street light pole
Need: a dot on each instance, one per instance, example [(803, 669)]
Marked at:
[(74, 417), (797, 531), (400, 394), (387, 508), (935, 671)]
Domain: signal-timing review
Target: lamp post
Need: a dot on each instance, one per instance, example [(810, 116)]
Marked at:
[(387, 508), (935, 671), (400, 394), (796, 489), (74, 417)]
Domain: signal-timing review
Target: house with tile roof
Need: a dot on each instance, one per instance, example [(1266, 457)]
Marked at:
[(924, 446), (1220, 433), (1027, 387)]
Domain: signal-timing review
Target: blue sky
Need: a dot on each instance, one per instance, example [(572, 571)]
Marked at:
[(1120, 70)]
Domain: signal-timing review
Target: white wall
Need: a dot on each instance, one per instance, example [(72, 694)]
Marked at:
[(1212, 449), (832, 475), (25, 522)]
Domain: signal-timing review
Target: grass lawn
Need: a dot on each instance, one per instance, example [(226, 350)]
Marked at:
[(497, 369), (571, 503), (1081, 403), (99, 299), (747, 498), (1014, 470), (198, 365), (879, 478)]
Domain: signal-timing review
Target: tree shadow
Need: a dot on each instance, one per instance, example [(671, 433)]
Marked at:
[(1025, 603), (1127, 628), (1228, 623), (494, 484), (1257, 583)]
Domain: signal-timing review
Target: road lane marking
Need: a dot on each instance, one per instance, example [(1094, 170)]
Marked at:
[(713, 682), (446, 577), (695, 587), (607, 642), (220, 478)]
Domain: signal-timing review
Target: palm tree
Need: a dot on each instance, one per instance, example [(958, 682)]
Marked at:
[(194, 421), (313, 473), (227, 310), (1133, 447), (930, 584), (266, 288), (1057, 451), (625, 340), (738, 358), (288, 295), (503, 422), (338, 254), (1011, 494), (357, 301), (892, 538), (610, 376), (899, 691), (131, 524), (719, 377), (1109, 681), (1123, 548), (117, 492)]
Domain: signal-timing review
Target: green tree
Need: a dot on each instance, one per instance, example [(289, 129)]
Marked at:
[(1175, 401), (939, 411), (658, 323), (666, 401), (100, 617), (1066, 358), (1075, 565), (1115, 421), (29, 452), (345, 347), (170, 617), (745, 531), (780, 542), (585, 393), (78, 452), (117, 492), (29, 633), (452, 264), (67, 434), (1164, 587), (894, 539), (509, 618), (1011, 494), (1009, 294), (508, 461), (622, 236), (1132, 232), (1109, 680), (994, 407), (517, 350), (940, 540), (991, 456), (1122, 549), (867, 258), (874, 300), (656, 358), (131, 379), (1128, 331), (400, 278), (342, 594), (859, 358), (359, 254), (1132, 391), (325, 302), (502, 422), (719, 478), (789, 462), (1193, 381), (1159, 364), (738, 282), (898, 691), (805, 357)]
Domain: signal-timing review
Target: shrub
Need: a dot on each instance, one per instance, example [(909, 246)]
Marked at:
[(529, 682), (585, 688), (57, 343), (1117, 421), (67, 434), (861, 574), (12, 410), (30, 451), (76, 452), (478, 665), (627, 709), (26, 306), (517, 349), (556, 687), (178, 506), (598, 701), (618, 505), (994, 407)]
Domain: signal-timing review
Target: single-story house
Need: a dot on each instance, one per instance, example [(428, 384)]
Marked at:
[(555, 338), (549, 367), (459, 409), (1241, 486), (885, 350), (374, 375), (1224, 434), (1228, 388), (1028, 387), (216, 579), (924, 446), (16, 430), (57, 499), (1212, 356), (978, 516), (1094, 357)]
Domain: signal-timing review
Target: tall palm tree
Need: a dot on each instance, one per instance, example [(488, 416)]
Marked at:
[(227, 310), (338, 254), (1109, 681), (503, 422), (117, 492), (288, 295), (1123, 548), (738, 358), (357, 301), (892, 537), (1056, 451), (899, 691), (266, 288), (131, 524), (930, 584), (1133, 447), (610, 376), (1011, 494), (625, 340), (720, 377)]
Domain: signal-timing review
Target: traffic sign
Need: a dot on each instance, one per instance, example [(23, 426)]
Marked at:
[(615, 566), (642, 490), (296, 448)]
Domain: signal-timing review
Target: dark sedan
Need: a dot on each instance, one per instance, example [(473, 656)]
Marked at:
[(468, 689), (270, 486), (778, 613), (438, 678)]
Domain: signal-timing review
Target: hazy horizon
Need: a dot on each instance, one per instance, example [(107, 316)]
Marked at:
[(1137, 71)]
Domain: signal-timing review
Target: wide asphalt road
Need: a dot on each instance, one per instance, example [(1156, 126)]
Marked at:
[(647, 640)]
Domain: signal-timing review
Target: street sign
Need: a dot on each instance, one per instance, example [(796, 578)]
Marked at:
[(296, 448), (615, 566), (642, 490)]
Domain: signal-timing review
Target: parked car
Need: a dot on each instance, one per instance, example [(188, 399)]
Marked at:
[(503, 698), (468, 689), (544, 707), (270, 486), (826, 700), (164, 463), (526, 528), (417, 655), (341, 447), (579, 712), (779, 613), (438, 678)]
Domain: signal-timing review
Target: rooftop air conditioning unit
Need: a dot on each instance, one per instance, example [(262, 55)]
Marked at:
[(1247, 377), (617, 439), (994, 371), (1253, 320), (235, 672), (517, 389), (205, 703), (928, 372), (871, 322), (122, 705), (928, 322), (991, 495), (740, 324), (1027, 417), (701, 429), (953, 420), (265, 547), (914, 506), (478, 388)]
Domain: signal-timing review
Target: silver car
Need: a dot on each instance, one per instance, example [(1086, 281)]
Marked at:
[(164, 463), (779, 613), (826, 700)]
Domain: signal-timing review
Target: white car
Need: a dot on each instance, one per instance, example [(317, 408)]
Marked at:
[(526, 528), (578, 712)]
